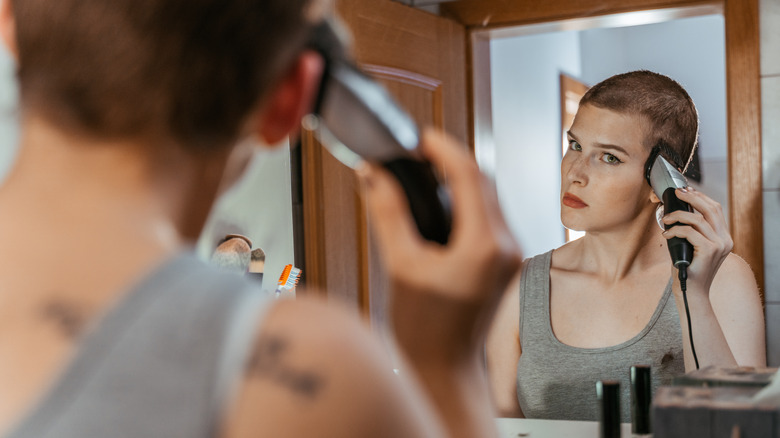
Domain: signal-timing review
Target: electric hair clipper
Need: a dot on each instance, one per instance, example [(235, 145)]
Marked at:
[(356, 119), (664, 178)]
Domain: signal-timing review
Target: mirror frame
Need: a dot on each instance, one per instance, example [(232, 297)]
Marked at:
[(743, 89)]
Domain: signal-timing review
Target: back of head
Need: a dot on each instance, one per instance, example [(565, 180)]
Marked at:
[(257, 262), (233, 254), (258, 255), (666, 108), (178, 71)]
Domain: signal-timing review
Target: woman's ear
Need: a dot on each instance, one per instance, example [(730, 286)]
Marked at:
[(653, 198), (292, 98), (8, 27)]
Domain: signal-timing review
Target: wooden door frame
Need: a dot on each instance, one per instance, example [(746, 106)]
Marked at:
[(743, 88)]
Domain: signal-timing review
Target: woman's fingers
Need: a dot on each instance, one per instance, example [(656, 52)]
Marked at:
[(697, 239), (478, 223), (709, 208), (463, 178), (390, 217), (695, 220), (707, 219), (481, 254)]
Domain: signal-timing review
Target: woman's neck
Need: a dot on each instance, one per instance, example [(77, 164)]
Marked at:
[(616, 254), (107, 209)]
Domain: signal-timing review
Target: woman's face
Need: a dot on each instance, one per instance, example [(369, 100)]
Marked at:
[(602, 174)]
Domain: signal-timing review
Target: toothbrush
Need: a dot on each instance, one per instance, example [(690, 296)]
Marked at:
[(288, 280)]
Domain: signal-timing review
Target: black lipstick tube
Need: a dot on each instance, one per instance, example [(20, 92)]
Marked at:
[(641, 399), (608, 392)]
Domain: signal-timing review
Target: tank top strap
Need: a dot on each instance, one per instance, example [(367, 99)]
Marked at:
[(534, 295)]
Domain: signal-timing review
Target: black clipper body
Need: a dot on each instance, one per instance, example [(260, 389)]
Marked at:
[(664, 178)]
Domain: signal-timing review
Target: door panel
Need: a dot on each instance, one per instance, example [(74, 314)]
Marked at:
[(420, 58)]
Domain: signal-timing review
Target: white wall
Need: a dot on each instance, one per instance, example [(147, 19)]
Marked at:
[(526, 129), (526, 107), (8, 98)]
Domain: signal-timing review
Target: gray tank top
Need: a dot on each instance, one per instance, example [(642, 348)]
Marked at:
[(558, 381), (162, 363)]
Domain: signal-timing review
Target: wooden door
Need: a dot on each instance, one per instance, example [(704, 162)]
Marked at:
[(420, 58)]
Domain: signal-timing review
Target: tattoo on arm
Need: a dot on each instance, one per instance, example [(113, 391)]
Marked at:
[(267, 362), (68, 317)]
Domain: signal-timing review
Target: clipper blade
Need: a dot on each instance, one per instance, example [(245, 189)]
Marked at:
[(661, 174)]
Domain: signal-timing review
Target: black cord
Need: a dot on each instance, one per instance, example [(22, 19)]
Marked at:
[(682, 274)]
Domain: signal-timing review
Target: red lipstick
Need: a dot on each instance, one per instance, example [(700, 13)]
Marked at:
[(572, 201)]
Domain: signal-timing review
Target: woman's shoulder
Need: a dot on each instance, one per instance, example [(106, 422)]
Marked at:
[(567, 256), (538, 257), (734, 275), (537, 265)]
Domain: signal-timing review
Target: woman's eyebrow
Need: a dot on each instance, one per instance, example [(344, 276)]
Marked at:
[(613, 147), (607, 146)]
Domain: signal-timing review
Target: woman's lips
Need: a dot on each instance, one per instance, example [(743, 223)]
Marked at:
[(572, 201)]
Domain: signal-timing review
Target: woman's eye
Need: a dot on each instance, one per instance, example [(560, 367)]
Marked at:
[(573, 145), (610, 159)]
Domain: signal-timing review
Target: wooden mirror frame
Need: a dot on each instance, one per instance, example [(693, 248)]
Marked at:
[(743, 89)]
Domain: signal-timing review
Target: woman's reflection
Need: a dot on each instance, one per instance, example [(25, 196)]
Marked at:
[(591, 309)]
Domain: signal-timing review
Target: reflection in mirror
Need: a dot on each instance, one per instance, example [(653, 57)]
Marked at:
[(257, 206), (525, 64)]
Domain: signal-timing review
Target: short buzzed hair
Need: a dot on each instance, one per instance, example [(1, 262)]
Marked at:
[(233, 254), (663, 103), (186, 72), (258, 255)]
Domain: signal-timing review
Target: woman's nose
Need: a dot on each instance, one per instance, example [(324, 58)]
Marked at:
[(575, 168)]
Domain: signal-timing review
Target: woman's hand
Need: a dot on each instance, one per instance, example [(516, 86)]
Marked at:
[(443, 296), (706, 230), (725, 309)]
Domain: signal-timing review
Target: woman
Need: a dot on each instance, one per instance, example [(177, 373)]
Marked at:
[(591, 309)]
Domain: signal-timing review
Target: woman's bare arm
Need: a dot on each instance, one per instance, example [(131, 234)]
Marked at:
[(737, 307), (503, 351), (316, 370)]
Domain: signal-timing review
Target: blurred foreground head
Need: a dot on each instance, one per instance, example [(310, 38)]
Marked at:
[(184, 72)]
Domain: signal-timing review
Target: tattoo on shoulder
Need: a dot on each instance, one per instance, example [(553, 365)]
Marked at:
[(267, 361), (67, 316)]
